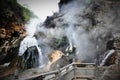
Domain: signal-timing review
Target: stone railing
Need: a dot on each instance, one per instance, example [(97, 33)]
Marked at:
[(71, 72)]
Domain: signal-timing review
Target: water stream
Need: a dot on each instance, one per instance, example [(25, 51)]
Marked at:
[(31, 52)]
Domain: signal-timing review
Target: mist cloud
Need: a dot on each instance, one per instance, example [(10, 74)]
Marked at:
[(89, 40)]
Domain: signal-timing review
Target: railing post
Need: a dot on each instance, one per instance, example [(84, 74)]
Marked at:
[(16, 74), (96, 71), (59, 72), (74, 68)]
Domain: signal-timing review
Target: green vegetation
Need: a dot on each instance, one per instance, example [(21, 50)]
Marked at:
[(87, 1), (26, 14), (59, 43), (11, 11)]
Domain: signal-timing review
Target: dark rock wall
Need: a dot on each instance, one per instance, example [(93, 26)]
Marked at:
[(12, 28), (63, 2)]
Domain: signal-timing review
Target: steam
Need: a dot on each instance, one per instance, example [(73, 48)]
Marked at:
[(76, 30), (41, 8), (26, 43), (31, 26), (72, 10), (30, 41), (90, 40), (77, 35)]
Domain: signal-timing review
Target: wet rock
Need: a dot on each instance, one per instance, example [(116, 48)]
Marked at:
[(8, 72), (57, 60), (112, 73), (12, 29), (2, 33), (63, 2), (117, 43), (30, 59)]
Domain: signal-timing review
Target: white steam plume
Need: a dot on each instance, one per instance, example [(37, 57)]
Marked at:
[(89, 40), (31, 26), (41, 8)]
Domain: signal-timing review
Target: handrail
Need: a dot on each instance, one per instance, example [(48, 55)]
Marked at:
[(56, 71), (67, 66), (59, 71), (84, 63), (74, 63)]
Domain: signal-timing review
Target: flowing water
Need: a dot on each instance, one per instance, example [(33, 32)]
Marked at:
[(30, 50)]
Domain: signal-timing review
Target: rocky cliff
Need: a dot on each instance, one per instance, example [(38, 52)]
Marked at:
[(88, 29), (12, 19), (12, 30), (100, 21)]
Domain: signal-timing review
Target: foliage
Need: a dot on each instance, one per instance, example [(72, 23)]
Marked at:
[(11, 11), (87, 1), (58, 43), (26, 14)]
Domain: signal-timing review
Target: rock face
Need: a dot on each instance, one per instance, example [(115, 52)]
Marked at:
[(97, 21), (114, 46), (12, 29), (30, 58), (113, 71), (98, 14), (102, 14), (63, 2), (57, 60)]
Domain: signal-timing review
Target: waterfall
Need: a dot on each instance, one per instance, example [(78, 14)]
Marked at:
[(26, 44), (107, 56)]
